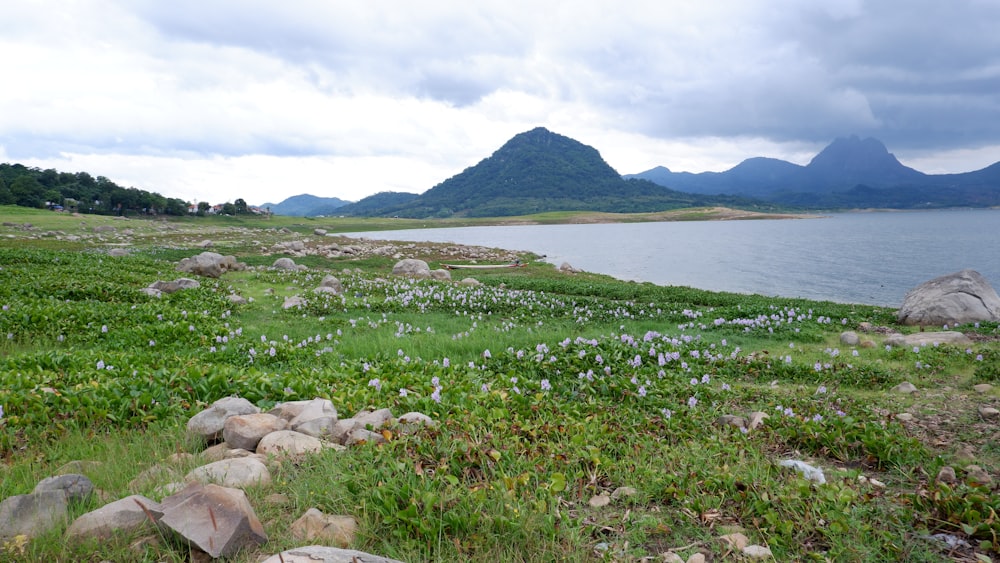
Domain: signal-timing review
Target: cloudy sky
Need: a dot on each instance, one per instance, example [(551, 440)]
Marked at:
[(213, 100)]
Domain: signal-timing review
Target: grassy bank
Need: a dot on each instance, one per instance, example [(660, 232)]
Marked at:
[(551, 391)]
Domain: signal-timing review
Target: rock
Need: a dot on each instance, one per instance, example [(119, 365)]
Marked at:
[(321, 427), (325, 528), (32, 515), (285, 264), (319, 232), (374, 420), (205, 244), (129, 515), (989, 413), (288, 443), (441, 275), (236, 299), (413, 421), (756, 419), (928, 339), (946, 475), (236, 472), (808, 472), (332, 283), (413, 268), (671, 557), (217, 520), (622, 492), (293, 301), (850, 338), (222, 451), (174, 286), (210, 422), (245, 430), (958, 298), (731, 420), (118, 252), (982, 388), (757, 552), (210, 264), (904, 417), (470, 282), (364, 436), (566, 268), (597, 501), (735, 541), (905, 388), (696, 558), (316, 408), (76, 487), (977, 476), (323, 554)]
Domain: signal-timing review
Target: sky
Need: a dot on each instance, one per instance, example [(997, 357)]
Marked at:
[(214, 100)]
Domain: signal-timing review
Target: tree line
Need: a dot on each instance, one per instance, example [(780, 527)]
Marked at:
[(83, 193)]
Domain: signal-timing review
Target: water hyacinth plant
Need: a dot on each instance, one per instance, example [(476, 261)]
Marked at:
[(549, 390)]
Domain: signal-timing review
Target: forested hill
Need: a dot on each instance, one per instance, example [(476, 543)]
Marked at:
[(32, 187), (539, 171)]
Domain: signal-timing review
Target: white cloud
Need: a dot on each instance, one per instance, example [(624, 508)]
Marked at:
[(225, 99)]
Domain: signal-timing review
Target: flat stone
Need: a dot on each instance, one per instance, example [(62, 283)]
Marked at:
[(946, 475), (904, 417), (314, 525), (32, 515), (905, 388), (237, 473), (76, 487), (989, 413), (129, 514), (324, 554), (982, 387)]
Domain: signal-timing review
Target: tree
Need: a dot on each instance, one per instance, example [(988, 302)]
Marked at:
[(228, 209), (241, 207), (203, 207), (27, 191)]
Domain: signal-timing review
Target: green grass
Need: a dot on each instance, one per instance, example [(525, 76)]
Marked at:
[(548, 389)]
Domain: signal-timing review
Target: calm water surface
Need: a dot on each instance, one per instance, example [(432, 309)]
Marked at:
[(872, 258)]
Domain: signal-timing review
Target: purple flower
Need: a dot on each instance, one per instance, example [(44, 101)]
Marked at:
[(705, 379), (446, 362), (486, 354), (817, 417), (375, 383), (979, 357), (484, 388), (821, 389), (436, 395), (789, 411), (666, 413), (104, 328), (725, 387), (100, 364), (694, 381), (692, 401), (642, 391), (546, 386), (436, 381), (403, 392)]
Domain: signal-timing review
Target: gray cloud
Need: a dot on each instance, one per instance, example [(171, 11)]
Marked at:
[(438, 85)]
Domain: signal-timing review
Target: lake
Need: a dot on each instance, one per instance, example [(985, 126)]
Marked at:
[(872, 257)]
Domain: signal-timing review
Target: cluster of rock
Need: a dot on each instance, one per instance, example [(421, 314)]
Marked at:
[(207, 507), (210, 264)]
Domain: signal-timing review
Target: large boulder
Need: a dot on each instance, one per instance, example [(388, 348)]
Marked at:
[(210, 264), (958, 298), (217, 520), (413, 268)]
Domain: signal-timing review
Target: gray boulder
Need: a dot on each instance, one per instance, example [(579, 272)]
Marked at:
[(125, 515), (958, 298), (76, 487), (413, 268), (31, 515), (285, 264), (210, 422), (217, 520), (210, 264), (234, 472)]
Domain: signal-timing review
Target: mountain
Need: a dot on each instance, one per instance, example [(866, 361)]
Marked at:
[(306, 205), (374, 203), (538, 171), (849, 173)]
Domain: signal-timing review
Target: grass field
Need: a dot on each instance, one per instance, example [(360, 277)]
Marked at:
[(580, 417)]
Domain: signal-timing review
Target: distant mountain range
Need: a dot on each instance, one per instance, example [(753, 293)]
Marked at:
[(540, 171), (306, 205), (849, 173), (537, 171)]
